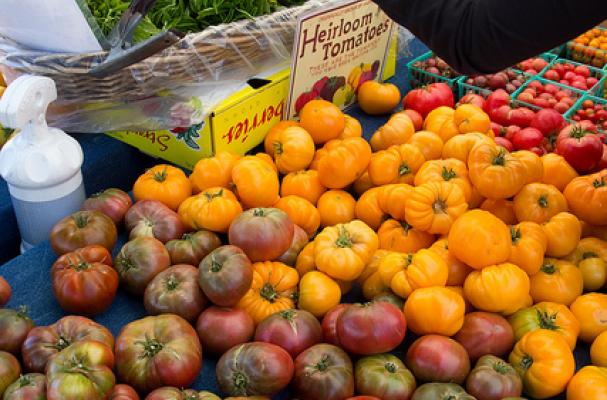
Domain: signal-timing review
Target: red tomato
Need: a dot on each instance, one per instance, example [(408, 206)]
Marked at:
[(123, 392), (158, 351), (236, 327), (371, 328), (582, 70), (323, 372), (497, 129), (485, 333), (112, 202), (580, 146), (424, 100), (5, 292), (505, 143), (293, 330), (495, 100), (435, 358), (44, 342), (81, 229), (14, 325), (474, 99), (603, 163), (254, 369), (329, 324), (152, 218), (264, 234), (84, 282), (416, 118), (511, 131), (548, 121), (139, 261), (527, 138)]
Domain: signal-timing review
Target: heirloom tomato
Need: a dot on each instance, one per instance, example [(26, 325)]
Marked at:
[(352, 128), (440, 120), (485, 333), (336, 207), (557, 171), (563, 232), (254, 369), (301, 212), (5, 292), (329, 324), (429, 143), (449, 170), (173, 393), (81, 229), (293, 149), (322, 119), (256, 182), (305, 184), (436, 310), (396, 131), (112, 202), (591, 311), (557, 281), (220, 328), (369, 209), (598, 350), (214, 209), (123, 392), (323, 372), (458, 271), (489, 233), (300, 240), (214, 171), (9, 370), (390, 298), (262, 233), (371, 328), (460, 146), (493, 379), (397, 164), (435, 358), (587, 197), (534, 168), (343, 161), (549, 316), (225, 275), (529, 244), (29, 387), (580, 145), (594, 273), (538, 202), (191, 248), (441, 391), (502, 288), (590, 383), (81, 371), (318, 293), (376, 98), (343, 250), (544, 361), (434, 206), (84, 281), (305, 260), (400, 236), (273, 289), (404, 273), (293, 330), (175, 291), (428, 98), (384, 376), (164, 183), (14, 325), (158, 351), (488, 163), (501, 208), (154, 219), (139, 261), (44, 342)]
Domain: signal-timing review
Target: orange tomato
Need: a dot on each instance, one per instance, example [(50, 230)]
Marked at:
[(563, 232), (590, 383), (587, 196), (369, 210), (392, 200), (318, 293), (336, 207), (344, 162), (352, 128), (376, 98), (301, 212), (435, 310), (165, 183), (471, 118), (293, 149), (459, 146), (398, 130), (305, 260), (450, 170), (501, 208), (398, 164), (557, 281), (598, 350), (532, 163), (538, 202), (256, 182), (213, 209), (439, 118), (213, 172), (268, 143), (429, 143), (400, 236), (363, 183), (591, 311), (529, 244), (304, 184), (557, 171), (323, 120), (488, 164), (458, 271), (405, 273)]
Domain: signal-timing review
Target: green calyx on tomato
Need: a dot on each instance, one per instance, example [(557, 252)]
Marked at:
[(277, 148), (404, 169), (391, 367), (259, 212), (151, 347), (323, 364), (126, 263), (448, 174), (406, 227), (547, 321), (542, 201), (502, 368), (578, 132), (81, 220), (211, 196), (268, 292), (62, 343), (160, 176), (81, 266), (215, 266), (241, 383), (439, 207), (171, 284), (548, 268), (500, 158), (589, 254), (343, 240), (526, 362), (515, 234), (599, 183)]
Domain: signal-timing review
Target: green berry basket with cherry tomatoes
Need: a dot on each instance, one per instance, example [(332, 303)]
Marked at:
[(590, 108), (544, 93), (576, 75), (429, 68)]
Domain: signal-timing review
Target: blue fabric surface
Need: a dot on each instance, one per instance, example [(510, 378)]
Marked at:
[(110, 163)]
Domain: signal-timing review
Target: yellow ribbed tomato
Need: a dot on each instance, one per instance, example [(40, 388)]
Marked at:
[(406, 272), (538, 202), (557, 281), (458, 271), (435, 310), (590, 383), (591, 310), (563, 232), (318, 293), (528, 246)]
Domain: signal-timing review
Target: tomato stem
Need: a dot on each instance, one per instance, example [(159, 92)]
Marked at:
[(323, 364), (268, 292), (390, 367), (548, 268), (125, 263), (151, 347), (22, 311), (240, 382), (81, 219), (515, 234), (215, 266), (439, 206), (547, 321), (187, 236), (597, 184), (589, 254), (448, 174), (160, 176), (500, 158), (24, 381), (82, 266), (501, 367), (406, 227), (404, 169), (259, 212), (288, 315), (172, 283), (343, 240), (277, 148), (62, 343), (542, 201), (526, 362), (210, 196)]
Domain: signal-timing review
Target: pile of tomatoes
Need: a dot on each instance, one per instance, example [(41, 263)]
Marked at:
[(593, 112), (590, 48), (492, 260)]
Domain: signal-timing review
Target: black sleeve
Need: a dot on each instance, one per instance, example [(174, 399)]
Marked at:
[(489, 35)]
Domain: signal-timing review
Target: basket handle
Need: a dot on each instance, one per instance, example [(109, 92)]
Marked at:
[(122, 52)]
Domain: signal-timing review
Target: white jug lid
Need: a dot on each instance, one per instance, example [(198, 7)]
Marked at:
[(38, 156)]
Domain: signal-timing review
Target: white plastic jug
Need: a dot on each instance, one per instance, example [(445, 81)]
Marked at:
[(42, 165)]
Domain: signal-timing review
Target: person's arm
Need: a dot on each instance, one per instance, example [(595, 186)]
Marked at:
[(489, 35)]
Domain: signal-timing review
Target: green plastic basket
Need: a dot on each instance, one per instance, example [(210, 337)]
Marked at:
[(465, 88), (595, 72), (600, 90), (579, 93), (578, 105), (418, 77)]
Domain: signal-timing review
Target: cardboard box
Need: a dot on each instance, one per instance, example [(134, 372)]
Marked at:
[(238, 124)]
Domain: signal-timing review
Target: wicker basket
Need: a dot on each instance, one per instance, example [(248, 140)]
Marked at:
[(224, 52)]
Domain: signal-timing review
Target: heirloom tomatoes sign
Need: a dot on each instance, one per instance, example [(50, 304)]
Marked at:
[(335, 51)]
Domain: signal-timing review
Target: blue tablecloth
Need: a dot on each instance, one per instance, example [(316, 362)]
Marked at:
[(111, 163)]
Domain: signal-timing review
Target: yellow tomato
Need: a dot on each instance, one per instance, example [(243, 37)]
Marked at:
[(435, 310), (318, 293)]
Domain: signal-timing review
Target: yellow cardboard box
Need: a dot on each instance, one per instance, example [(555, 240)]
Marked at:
[(238, 124)]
